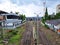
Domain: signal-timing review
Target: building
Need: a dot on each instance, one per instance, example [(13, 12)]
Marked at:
[(10, 20), (3, 12), (54, 25), (2, 18), (33, 18), (58, 8)]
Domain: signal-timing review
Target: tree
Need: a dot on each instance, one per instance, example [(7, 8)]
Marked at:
[(43, 20), (49, 17), (46, 14), (17, 12), (45, 17), (22, 17), (57, 16)]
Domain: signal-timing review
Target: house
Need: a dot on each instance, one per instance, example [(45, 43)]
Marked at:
[(54, 25), (10, 20), (58, 8)]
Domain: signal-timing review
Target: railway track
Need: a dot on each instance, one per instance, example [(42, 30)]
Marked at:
[(42, 37), (28, 35)]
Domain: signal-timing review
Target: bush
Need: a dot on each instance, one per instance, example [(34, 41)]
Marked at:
[(14, 32), (46, 26)]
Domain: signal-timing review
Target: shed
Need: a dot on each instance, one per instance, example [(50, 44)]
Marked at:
[(53, 24)]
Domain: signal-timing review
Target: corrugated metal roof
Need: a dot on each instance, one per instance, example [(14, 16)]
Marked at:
[(10, 14), (3, 12), (54, 22)]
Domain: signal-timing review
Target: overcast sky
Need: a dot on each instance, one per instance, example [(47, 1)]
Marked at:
[(28, 7)]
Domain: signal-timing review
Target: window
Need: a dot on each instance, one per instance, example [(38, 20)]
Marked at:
[(12, 17)]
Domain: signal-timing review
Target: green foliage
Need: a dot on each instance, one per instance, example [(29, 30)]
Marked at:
[(45, 17), (13, 32), (22, 17), (43, 20), (46, 26), (58, 13), (50, 17), (46, 14), (16, 38), (17, 12), (57, 16)]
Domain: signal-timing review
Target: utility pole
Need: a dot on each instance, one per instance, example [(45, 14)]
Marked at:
[(44, 5), (37, 38), (37, 30)]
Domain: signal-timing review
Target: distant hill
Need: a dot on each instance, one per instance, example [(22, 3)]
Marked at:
[(33, 18)]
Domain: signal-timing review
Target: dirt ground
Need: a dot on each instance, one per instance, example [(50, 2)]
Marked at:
[(51, 35)]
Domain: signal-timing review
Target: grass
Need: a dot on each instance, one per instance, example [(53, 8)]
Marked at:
[(16, 38), (0, 42)]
